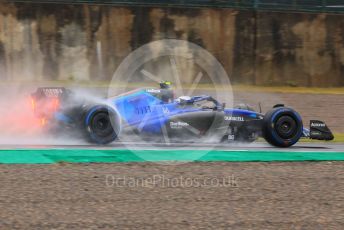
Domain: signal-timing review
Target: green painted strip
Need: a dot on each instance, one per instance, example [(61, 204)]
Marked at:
[(50, 156)]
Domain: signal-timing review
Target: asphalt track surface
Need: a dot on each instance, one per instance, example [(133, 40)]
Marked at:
[(235, 146), (256, 146)]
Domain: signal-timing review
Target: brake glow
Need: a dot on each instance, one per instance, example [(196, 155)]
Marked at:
[(56, 104), (33, 104), (43, 121), (44, 108)]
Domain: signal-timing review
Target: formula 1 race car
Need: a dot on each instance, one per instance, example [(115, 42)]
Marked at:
[(153, 112)]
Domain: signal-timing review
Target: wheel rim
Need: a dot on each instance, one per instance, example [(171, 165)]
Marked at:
[(286, 127), (101, 125)]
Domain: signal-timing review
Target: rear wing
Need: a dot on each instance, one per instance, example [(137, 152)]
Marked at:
[(49, 92), (45, 101)]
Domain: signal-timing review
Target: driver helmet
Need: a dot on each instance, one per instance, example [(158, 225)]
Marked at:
[(165, 85), (167, 94)]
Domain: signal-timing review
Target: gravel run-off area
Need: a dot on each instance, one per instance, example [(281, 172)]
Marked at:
[(210, 195)]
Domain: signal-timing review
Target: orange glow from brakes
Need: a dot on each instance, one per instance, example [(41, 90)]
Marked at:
[(56, 104), (21, 113), (33, 104), (43, 121), (45, 108)]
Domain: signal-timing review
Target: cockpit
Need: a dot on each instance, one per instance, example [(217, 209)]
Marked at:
[(202, 102)]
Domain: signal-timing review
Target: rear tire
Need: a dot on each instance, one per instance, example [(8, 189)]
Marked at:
[(101, 125), (282, 127)]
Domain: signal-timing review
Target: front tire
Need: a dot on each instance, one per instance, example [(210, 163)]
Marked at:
[(282, 127)]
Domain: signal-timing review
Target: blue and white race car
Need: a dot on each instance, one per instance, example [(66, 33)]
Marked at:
[(153, 112)]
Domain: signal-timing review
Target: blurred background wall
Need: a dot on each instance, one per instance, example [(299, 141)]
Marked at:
[(83, 42)]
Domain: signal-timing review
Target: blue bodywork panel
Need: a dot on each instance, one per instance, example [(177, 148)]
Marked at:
[(146, 112)]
